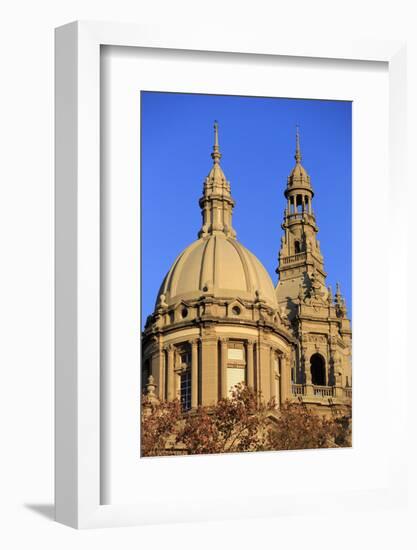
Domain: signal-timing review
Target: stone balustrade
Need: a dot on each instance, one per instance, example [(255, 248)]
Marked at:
[(297, 389), (321, 392), (301, 257)]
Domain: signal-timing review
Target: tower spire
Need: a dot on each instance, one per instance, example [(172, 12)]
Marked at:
[(216, 203), (297, 155), (216, 155)]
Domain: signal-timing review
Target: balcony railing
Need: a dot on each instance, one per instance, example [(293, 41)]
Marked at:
[(298, 389), (321, 391), (300, 215), (301, 257)]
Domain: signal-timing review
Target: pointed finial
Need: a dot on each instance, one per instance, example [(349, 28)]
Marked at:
[(216, 155), (297, 155), (329, 295), (337, 289)]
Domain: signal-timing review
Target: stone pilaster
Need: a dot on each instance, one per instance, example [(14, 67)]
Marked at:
[(331, 371), (157, 370), (273, 375), (209, 371), (307, 373), (250, 365), (170, 373), (285, 379), (223, 367), (177, 375), (265, 370)]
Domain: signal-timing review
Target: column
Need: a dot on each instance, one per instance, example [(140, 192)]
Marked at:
[(307, 371), (273, 376), (250, 365), (331, 380), (223, 367), (177, 375), (339, 382), (170, 373), (265, 370), (327, 370), (157, 371), (285, 385), (194, 374), (209, 370)]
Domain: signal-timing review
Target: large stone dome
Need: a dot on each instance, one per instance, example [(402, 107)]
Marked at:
[(220, 266)]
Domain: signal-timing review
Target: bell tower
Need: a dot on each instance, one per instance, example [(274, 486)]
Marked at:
[(321, 372), (300, 258)]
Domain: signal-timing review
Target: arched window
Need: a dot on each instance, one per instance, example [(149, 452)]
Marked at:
[(297, 247), (299, 203), (318, 370)]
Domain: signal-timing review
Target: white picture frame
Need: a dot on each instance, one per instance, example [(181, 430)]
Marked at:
[(78, 406)]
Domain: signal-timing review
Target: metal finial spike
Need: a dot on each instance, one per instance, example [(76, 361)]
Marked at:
[(297, 145), (216, 155)]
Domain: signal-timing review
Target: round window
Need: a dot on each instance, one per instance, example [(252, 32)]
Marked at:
[(184, 313), (236, 310)]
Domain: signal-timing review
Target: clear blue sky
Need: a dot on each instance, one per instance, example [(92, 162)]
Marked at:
[(257, 141)]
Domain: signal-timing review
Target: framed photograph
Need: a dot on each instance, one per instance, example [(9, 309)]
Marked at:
[(224, 211)]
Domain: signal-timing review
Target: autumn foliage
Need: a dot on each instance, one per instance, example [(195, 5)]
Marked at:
[(297, 428), (240, 423)]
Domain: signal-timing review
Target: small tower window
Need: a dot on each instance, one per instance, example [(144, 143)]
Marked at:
[(236, 310), (297, 247)]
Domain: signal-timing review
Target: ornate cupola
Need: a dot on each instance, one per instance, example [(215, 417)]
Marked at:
[(299, 180), (216, 203)]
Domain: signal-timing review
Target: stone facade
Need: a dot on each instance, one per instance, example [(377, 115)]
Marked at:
[(218, 319)]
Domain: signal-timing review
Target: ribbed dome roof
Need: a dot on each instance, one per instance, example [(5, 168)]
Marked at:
[(299, 172), (299, 178), (217, 265)]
